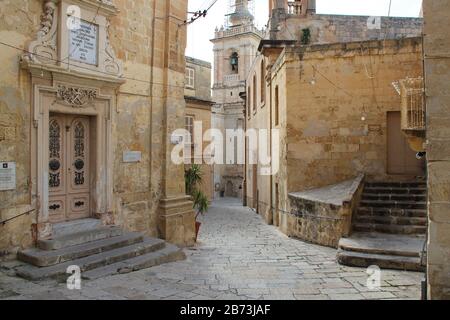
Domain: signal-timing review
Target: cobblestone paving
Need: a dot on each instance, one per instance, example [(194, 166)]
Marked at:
[(238, 257)]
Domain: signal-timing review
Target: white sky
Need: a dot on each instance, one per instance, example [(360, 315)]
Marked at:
[(202, 30)]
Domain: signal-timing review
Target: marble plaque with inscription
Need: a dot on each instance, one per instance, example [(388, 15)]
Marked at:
[(83, 43), (7, 176)]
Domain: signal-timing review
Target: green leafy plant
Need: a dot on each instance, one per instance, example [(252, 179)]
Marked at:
[(306, 36), (193, 177), (201, 203)]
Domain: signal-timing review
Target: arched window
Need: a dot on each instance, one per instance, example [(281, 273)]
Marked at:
[(255, 91), (234, 62), (263, 81), (277, 106)]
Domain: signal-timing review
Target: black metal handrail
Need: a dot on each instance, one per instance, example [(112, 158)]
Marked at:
[(2, 223)]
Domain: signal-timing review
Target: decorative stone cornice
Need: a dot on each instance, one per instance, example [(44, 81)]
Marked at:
[(76, 97), (112, 64)]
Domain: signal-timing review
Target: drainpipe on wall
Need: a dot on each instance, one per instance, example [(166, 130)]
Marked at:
[(243, 96), (269, 76)]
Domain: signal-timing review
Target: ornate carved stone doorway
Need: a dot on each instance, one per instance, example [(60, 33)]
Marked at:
[(73, 100), (72, 152), (69, 167)]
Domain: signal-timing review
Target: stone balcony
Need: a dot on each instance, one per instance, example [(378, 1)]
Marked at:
[(232, 31), (231, 79), (295, 8)]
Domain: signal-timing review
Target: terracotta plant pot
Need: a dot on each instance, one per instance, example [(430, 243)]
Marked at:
[(197, 228)]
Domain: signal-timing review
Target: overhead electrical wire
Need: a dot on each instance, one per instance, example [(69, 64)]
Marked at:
[(85, 68), (199, 14)]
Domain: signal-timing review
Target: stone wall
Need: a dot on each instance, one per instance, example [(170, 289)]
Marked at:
[(152, 52), (323, 216), (333, 101), (338, 99), (202, 89), (17, 27), (437, 79), (339, 28)]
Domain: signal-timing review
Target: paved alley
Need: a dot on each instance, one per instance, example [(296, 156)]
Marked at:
[(238, 256)]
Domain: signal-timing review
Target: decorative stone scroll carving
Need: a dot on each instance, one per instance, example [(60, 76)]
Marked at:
[(44, 48), (112, 64), (76, 97)]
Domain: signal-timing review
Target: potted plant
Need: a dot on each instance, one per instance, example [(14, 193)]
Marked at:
[(201, 204), (193, 178)]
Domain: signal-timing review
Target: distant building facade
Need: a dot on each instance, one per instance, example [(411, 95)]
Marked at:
[(235, 48), (85, 134), (197, 94), (324, 82)]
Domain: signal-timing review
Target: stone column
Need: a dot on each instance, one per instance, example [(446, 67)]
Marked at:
[(176, 217)]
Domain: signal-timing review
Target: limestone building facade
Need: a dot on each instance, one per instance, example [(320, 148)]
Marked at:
[(437, 70), (235, 48), (90, 93), (324, 83), (198, 112)]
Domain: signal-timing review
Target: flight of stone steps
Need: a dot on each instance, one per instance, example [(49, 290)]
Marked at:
[(389, 227), (99, 252)]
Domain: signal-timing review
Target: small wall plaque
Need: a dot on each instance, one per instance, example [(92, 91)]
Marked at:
[(7, 176), (132, 156)]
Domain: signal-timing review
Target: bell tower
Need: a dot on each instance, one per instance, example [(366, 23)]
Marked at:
[(241, 14), (235, 48)]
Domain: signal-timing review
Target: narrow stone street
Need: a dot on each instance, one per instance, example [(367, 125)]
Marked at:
[(238, 256)]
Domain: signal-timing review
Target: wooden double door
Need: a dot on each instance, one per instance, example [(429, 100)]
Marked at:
[(69, 167)]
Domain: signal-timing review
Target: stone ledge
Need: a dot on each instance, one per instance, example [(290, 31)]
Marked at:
[(324, 215), (337, 194)]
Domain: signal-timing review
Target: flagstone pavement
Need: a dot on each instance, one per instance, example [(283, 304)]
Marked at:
[(238, 256)]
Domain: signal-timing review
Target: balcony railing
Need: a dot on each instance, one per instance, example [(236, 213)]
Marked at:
[(413, 110), (295, 8), (231, 78), (232, 31)]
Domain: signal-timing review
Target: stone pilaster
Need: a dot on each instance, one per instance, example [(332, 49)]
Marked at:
[(176, 217)]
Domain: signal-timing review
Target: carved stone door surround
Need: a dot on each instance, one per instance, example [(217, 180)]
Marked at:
[(61, 85)]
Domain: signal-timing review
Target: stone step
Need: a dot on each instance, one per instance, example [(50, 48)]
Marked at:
[(91, 262), (44, 258), (360, 259), (394, 204), (170, 253), (391, 220), (380, 190), (397, 212), (69, 227), (394, 197), (392, 229), (79, 237), (396, 184), (386, 244)]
